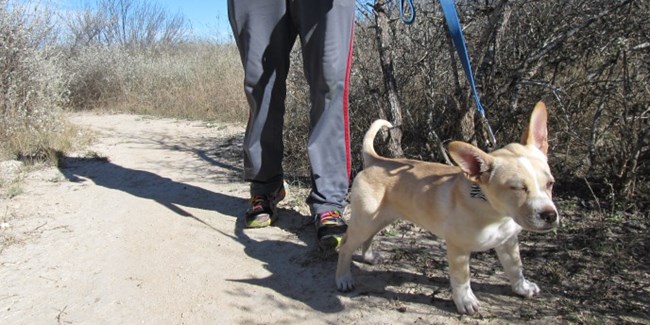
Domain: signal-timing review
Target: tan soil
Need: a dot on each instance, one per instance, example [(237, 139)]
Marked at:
[(151, 235)]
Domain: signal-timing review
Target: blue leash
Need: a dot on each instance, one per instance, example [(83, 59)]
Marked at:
[(456, 32)]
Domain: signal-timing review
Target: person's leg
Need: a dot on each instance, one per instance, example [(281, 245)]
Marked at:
[(264, 35), (326, 31)]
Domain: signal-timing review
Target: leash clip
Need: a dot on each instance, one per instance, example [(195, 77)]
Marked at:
[(492, 140), (407, 20)]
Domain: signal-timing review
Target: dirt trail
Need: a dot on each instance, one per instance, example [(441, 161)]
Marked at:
[(151, 236)]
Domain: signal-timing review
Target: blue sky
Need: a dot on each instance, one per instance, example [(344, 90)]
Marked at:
[(209, 19)]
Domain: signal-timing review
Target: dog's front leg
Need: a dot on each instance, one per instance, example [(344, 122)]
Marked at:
[(509, 256), (464, 298)]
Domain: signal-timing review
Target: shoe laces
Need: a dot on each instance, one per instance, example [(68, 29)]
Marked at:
[(258, 201), (329, 217)]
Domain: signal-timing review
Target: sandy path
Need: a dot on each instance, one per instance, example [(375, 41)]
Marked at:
[(151, 236)]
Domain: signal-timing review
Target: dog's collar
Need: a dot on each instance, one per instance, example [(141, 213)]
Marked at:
[(476, 192)]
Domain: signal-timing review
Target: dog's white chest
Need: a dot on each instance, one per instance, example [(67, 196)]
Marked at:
[(496, 234)]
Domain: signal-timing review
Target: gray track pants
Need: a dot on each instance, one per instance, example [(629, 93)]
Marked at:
[(265, 31)]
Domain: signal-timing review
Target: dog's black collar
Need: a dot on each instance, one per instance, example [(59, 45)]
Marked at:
[(476, 192)]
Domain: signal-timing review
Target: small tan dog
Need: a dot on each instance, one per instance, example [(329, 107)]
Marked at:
[(482, 204)]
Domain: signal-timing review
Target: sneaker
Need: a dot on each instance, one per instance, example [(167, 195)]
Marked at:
[(330, 227), (262, 212)]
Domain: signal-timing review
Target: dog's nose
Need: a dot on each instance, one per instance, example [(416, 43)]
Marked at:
[(548, 216)]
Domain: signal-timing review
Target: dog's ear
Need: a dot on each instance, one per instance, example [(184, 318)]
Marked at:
[(536, 133), (472, 160)]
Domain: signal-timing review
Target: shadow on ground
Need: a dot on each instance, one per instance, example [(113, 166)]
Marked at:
[(141, 183), (299, 271)]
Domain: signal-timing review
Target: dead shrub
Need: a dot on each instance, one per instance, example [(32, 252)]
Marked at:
[(32, 85), (586, 60)]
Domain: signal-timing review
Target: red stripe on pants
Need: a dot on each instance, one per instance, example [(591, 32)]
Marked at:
[(346, 90)]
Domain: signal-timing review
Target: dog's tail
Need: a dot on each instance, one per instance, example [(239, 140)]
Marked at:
[(368, 149)]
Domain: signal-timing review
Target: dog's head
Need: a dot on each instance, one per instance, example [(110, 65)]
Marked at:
[(515, 179)]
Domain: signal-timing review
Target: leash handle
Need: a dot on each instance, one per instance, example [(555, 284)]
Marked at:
[(456, 32), (407, 20)]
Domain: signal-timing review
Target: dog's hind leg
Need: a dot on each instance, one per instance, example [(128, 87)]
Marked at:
[(350, 243), (381, 221), (362, 227)]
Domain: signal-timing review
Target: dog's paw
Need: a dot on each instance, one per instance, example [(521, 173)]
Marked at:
[(467, 303), (372, 258), (525, 288), (345, 283)]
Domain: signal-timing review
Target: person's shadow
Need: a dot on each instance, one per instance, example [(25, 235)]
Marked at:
[(298, 269), (171, 194), (287, 260)]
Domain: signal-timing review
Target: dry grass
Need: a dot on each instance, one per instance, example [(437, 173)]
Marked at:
[(190, 81), (32, 85)]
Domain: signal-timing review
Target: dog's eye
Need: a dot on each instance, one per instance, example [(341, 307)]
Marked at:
[(522, 188)]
